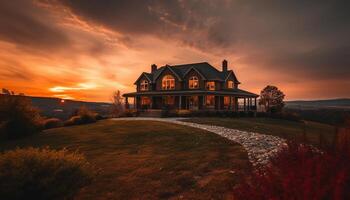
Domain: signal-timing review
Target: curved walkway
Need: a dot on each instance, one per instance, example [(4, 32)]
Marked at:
[(259, 147)]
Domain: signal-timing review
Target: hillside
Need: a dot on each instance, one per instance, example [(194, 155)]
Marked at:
[(320, 104), (55, 107)]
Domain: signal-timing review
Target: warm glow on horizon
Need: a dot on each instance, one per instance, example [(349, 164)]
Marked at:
[(61, 50)]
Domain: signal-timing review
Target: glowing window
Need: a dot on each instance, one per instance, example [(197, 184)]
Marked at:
[(168, 82), (193, 82), (145, 101), (230, 84), (227, 101), (144, 85), (210, 100), (210, 85)]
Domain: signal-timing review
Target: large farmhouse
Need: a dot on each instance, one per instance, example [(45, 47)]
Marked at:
[(196, 86)]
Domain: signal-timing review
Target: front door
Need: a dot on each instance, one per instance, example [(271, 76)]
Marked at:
[(193, 103)]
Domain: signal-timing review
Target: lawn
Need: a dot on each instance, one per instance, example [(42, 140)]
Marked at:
[(150, 160), (290, 130)]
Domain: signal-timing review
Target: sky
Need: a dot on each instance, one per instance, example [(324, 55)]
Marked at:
[(86, 49)]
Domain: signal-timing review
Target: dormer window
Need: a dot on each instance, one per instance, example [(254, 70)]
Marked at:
[(144, 85), (230, 84), (168, 82), (193, 82), (210, 85)]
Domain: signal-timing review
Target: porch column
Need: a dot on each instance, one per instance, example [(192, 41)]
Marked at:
[(249, 104), (126, 103), (204, 99), (151, 104), (219, 106), (135, 99), (256, 106), (180, 99), (230, 103), (245, 104)]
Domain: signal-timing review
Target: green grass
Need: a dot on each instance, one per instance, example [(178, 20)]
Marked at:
[(149, 160), (290, 130)]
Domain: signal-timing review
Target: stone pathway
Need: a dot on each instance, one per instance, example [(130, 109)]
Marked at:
[(260, 147)]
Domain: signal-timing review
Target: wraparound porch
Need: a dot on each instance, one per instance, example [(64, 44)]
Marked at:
[(193, 102)]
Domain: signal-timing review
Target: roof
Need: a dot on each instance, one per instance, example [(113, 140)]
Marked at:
[(235, 92), (207, 71)]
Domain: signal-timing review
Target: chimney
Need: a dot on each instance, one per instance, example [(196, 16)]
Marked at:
[(153, 68), (224, 65)]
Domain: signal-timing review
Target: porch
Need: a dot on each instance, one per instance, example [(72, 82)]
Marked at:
[(193, 102)]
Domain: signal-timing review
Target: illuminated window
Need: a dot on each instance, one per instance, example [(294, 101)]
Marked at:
[(210, 100), (145, 101), (193, 82), (230, 84), (168, 82), (144, 85), (169, 100), (210, 85), (226, 100)]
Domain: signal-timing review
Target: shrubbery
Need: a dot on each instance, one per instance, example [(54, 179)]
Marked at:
[(18, 117), (42, 174), (129, 113), (52, 123), (300, 172), (83, 116)]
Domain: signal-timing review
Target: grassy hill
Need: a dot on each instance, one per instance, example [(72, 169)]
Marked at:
[(149, 160)]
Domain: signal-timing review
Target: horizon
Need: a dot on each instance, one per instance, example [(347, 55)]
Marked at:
[(85, 50)]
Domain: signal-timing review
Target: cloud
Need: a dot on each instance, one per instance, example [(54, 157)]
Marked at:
[(24, 24), (110, 42)]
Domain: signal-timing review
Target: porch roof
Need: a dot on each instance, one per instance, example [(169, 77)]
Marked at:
[(233, 92)]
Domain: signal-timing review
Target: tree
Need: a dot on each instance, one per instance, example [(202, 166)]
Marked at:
[(272, 99), (17, 116), (117, 103)]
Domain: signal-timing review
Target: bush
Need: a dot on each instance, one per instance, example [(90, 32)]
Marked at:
[(129, 113), (86, 115), (18, 117), (300, 172), (52, 123), (42, 174), (83, 116), (75, 120)]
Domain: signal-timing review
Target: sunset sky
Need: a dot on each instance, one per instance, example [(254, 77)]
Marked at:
[(85, 49)]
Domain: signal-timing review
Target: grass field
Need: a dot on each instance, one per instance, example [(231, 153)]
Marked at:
[(149, 160), (285, 129)]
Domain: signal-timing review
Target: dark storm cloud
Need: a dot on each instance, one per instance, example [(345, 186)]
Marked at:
[(22, 23)]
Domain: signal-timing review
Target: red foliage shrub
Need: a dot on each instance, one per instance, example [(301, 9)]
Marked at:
[(300, 172)]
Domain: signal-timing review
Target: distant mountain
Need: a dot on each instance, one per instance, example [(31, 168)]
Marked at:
[(317, 104), (63, 109)]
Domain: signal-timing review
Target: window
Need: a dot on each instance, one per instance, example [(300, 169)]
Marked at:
[(145, 101), (227, 101), (144, 85), (193, 82), (169, 100), (210, 85), (230, 84), (168, 82), (210, 100)]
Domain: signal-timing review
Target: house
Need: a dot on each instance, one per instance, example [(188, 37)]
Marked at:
[(196, 86)]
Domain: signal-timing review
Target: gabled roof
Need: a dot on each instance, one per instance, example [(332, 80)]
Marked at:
[(207, 71), (147, 75)]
